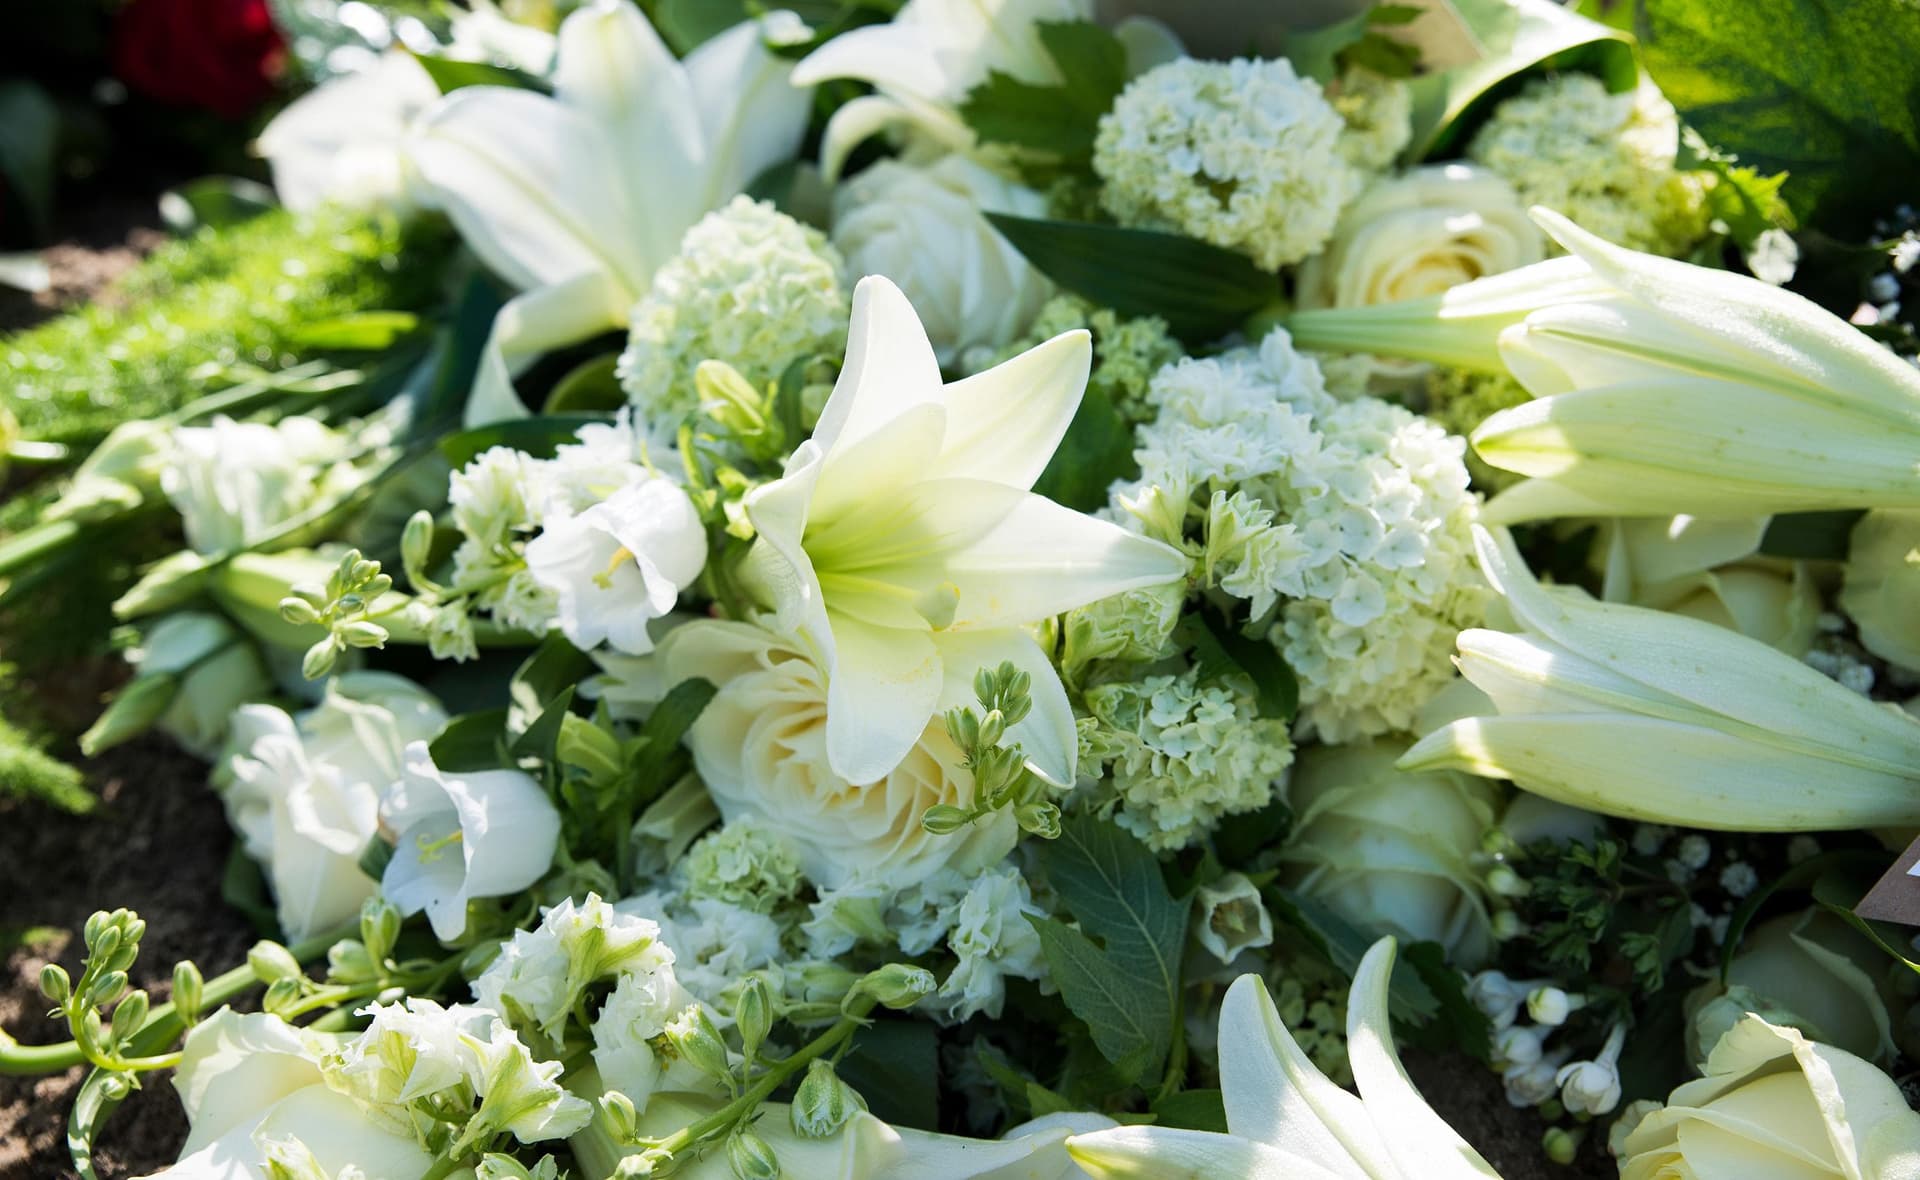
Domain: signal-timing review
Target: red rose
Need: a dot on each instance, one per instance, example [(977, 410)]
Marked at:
[(220, 55)]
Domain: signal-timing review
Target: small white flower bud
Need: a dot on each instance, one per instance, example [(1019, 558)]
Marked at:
[(1519, 1045), (1551, 1006)]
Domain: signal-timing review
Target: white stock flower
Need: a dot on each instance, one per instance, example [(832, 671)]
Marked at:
[(249, 1081), (924, 62), (1285, 1119), (1776, 1104), (341, 141), (304, 793), (1392, 852), (715, 944), (1648, 715), (904, 545), (234, 482), (577, 197), (1419, 234), (922, 227), (761, 746), (460, 836), (541, 973), (991, 937), (620, 564)]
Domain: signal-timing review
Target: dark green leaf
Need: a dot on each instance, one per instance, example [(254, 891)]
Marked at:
[(1461, 1026), (591, 386), (1249, 835), (895, 1066), (1811, 536), (687, 24), (1202, 291), (1128, 988), (472, 741), (538, 739), (375, 858), (554, 667), (450, 75), (29, 136), (1194, 1110), (360, 331), (1091, 59), (1096, 450), (1823, 90), (671, 719), (457, 355), (539, 436), (1274, 685), (1004, 109), (1344, 944), (1519, 38), (243, 887)]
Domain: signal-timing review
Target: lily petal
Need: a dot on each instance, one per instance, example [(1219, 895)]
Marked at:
[(533, 323), (1169, 1153), (881, 691), (1004, 424), (752, 113), (886, 346), (852, 125), (1419, 1140), (1043, 559)]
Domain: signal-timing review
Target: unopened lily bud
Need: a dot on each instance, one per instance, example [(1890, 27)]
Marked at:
[(753, 1015), (963, 726), (416, 545), (270, 961), (320, 658), (823, 1103), (943, 819), (897, 985), (189, 990), (751, 1157), (55, 983), (103, 948), (993, 727), (106, 989), (694, 1037)]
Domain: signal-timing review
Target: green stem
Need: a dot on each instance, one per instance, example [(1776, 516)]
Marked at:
[(16, 1058), (40, 541), (446, 1166)]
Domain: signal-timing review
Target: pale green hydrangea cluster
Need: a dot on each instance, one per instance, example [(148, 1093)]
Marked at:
[(1126, 352), (1135, 626), (1378, 111), (1345, 524), (745, 863), (1245, 154), (752, 287), (1179, 754), (1460, 400), (1604, 160)]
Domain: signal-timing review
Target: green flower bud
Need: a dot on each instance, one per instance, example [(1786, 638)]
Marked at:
[(1039, 819), (270, 962), (103, 948), (350, 962), (416, 546), (753, 1015), (694, 1037), (379, 927), (944, 819), (189, 990), (55, 984), (320, 658), (362, 634), (823, 1103), (106, 989), (751, 1157), (298, 611), (622, 1118), (993, 727), (130, 1015), (96, 922), (1561, 1145), (897, 985), (281, 996)]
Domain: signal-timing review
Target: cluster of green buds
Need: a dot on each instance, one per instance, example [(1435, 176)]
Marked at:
[(342, 606), (1499, 854), (1001, 779), (102, 1008), (368, 959)]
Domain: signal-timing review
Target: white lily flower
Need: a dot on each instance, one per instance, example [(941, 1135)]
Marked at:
[(1285, 1119), (341, 141), (903, 541), (1661, 386), (1655, 716), (460, 836), (620, 564), (577, 198)]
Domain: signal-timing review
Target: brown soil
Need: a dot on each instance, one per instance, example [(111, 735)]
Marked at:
[(101, 242), (1472, 1100), (157, 845)]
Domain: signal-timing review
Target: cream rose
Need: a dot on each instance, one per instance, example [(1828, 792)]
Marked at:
[(1881, 578), (922, 227), (1418, 234), (1776, 1104), (761, 746)]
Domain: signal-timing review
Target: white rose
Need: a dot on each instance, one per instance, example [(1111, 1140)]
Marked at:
[(620, 564), (304, 793), (1710, 568), (1881, 581), (234, 482), (340, 142), (250, 1080), (1392, 851), (1817, 967), (922, 227), (1418, 234), (761, 747), (1776, 1104)]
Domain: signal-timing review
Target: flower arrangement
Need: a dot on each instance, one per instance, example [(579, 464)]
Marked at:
[(967, 590)]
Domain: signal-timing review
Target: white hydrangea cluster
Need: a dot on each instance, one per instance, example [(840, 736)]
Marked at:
[(752, 287), (1378, 111), (1245, 154), (1352, 517), (745, 863), (1604, 160), (1180, 754), (504, 496)]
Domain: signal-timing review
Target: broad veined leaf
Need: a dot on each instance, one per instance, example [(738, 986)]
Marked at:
[(1345, 945), (1201, 290), (1823, 90), (1060, 120)]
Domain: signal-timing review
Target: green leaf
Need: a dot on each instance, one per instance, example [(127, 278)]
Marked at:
[(1192, 1110), (538, 436), (1461, 1025), (367, 331), (29, 137), (1096, 450), (1091, 59), (1128, 988), (135, 709), (472, 741), (1345, 944), (1201, 290), (1060, 120), (244, 887), (538, 738), (556, 666), (1275, 687), (1519, 38), (590, 386), (687, 24), (450, 75), (895, 1066), (671, 720), (1823, 90), (1811, 536)]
